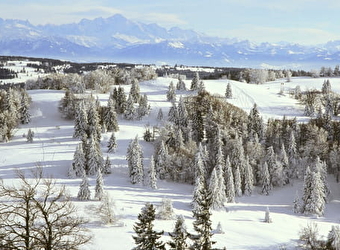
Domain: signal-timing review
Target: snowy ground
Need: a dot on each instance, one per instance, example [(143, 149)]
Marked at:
[(244, 228)]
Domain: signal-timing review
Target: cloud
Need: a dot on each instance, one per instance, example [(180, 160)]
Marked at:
[(163, 19)]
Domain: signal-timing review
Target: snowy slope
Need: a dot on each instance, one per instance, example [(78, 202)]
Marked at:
[(54, 146)]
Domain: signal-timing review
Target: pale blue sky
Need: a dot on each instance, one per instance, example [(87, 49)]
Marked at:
[(300, 21)]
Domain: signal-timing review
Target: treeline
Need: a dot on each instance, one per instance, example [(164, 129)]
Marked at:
[(100, 80), (7, 73)]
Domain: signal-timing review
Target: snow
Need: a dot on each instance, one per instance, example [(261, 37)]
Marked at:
[(53, 148)]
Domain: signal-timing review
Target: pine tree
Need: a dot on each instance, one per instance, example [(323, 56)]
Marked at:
[(110, 117), (195, 82), (285, 165), (99, 189), (180, 84), (166, 211), (143, 108), (93, 122), (202, 224), (25, 115), (84, 190), (80, 121), (229, 180), (112, 144), (248, 179), (30, 136), (121, 100), (297, 204), (201, 87), (135, 91), (94, 157), (237, 182), (173, 115), (107, 166), (183, 116), (79, 161), (217, 188), (265, 179), (160, 115), (130, 111), (147, 238), (292, 155), (171, 93), (219, 229), (162, 161), (228, 91), (152, 174), (179, 236), (267, 217), (255, 123), (134, 157), (274, 167)]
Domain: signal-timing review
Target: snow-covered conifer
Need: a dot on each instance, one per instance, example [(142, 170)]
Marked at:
[(171, 93), (183, 116), (99, 189), (179, 236), (134, 157), (152, 174), (79, 160), (255, 123), (160, 115), (30, 136), (248, 178), (180, 84), (135, 91), (229, 182), (195, 82), (265, 179), (93, 121), (130, 110), (333, 239), (173, 114), (25, 115), (112, 144), (162, 161), (219, 229), (110, 117), (94, 157), (84, 190), (267, 217), (165, 210), (201, 87), (80, 121), (228, 91), (237, 182), (147, 237), (297, 204), (121, 100), (143, 107), (107, 166)]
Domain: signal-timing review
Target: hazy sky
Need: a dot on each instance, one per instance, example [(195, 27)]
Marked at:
[(301, 21)]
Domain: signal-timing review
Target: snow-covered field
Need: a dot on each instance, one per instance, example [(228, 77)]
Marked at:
[(53, 148)]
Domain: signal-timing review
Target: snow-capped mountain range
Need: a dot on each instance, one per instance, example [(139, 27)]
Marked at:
[(118, 39)]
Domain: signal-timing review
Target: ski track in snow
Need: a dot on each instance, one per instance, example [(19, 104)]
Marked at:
[(53, 148)]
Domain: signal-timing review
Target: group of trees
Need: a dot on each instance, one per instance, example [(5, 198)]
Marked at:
[(14, 109), (100, 80)]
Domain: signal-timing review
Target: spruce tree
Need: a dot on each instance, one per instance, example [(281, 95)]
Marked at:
[(180, 84), (121, 100), (93, 121), (255, 123), (217, 188), (202, 224), (248, 179), (135, 91), (134, 157), (165, 210), (112, 144), (30, 135), (143, 107), (99, 189), (107, 166), (94, 157), (160, 115), (333, 239), (179, 236), (237, 182), (25, 115), (147, 238), (228, 91), (79, 160), (265, 179), (171, 93), (84, 190), (130, 111), (110, 117), (80, 121), (195, 82), (106, 209), (229, 182), (152, 174), (162, 161)]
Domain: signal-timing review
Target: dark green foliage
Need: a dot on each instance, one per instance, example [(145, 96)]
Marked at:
[(147, 238)]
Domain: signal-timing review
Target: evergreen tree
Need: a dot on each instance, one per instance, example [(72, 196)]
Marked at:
[(147, 238), (152, 174), (183, 116), (248, 179), (25, 115), (265, 179), (105, 209), (179, 236), (121, 100), (166, 211), (202, 224), (94, 157), (112, 144), (267, 217), (84, 190), (135, 91), (201, 87), (130, 111), (229, 180), (274, 167), (143, 108), (285, 165), (228, 91), (217, 188), (292, 155), (195, 82), (93, 122), (160, 115), (134, 157), (313, 200), (79, 161), (219, 229), (162, 161), (237, 182), (173, 115), (255, 123), (30, 136), (110, 117), (297, 204), (80, 121), (171, 93), (180, 84), (99, 189)]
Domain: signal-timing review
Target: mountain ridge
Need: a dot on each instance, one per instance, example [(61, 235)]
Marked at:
[(117, 38)]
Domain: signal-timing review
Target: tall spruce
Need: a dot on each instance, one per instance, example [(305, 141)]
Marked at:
[(229, 182), (99, 188), (134, 157), (112, 144), (152, 174), (147, 238), (179, 235)]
